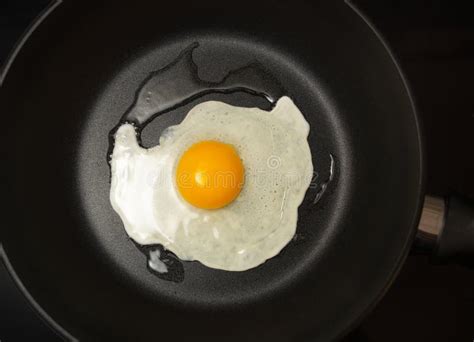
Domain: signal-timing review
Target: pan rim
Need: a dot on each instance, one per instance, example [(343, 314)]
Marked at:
[(4, 69), (422, 176)]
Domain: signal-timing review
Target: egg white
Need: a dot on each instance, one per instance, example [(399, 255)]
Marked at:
[(257, 225)]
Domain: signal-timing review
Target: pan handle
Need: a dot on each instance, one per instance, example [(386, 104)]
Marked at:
[(446, 230)]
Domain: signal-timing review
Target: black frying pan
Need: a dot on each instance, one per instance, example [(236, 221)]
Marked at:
[(78, 73)]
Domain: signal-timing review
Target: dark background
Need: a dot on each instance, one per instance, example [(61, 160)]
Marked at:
[(434, 41)]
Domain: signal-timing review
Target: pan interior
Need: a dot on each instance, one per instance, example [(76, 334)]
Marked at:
[(215, 57)]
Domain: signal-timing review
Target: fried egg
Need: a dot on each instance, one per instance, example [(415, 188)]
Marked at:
[(222, 187)]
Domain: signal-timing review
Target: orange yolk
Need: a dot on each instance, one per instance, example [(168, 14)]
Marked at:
[(210, 174)]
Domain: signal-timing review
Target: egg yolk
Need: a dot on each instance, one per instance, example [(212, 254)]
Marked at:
[(210, 174)]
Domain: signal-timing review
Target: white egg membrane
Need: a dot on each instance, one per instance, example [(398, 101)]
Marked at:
[(257, 225)]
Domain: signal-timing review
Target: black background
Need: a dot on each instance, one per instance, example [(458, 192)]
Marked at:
[(434, 41)]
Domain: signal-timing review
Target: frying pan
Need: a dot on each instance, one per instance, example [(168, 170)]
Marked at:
[(73, 77)]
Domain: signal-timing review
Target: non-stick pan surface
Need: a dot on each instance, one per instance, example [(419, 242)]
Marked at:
[(76, 76)]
